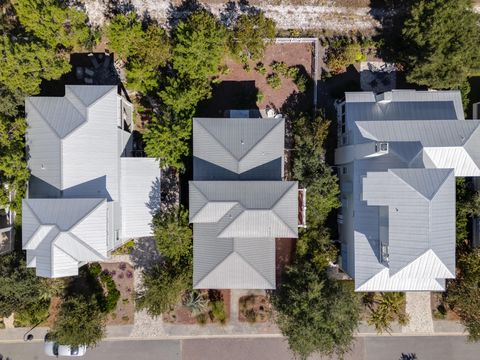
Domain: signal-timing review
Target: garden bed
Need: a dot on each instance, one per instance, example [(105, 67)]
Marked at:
[(122, 275), (215, 308), (254, 309), (239, 88), (440, 309)]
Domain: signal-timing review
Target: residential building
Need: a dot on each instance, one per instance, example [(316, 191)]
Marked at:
[(398, 155), (239, 205), (88, 191)]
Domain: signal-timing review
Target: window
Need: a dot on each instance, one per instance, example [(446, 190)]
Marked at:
[(344, 170)]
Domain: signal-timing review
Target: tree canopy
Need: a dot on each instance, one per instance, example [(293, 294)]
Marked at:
[(54, 22), (199, 44), (79, 322), (316, 314), (463, 293), (14, 173), (250, 36), (442, 42), (173, 236), (19, 286)]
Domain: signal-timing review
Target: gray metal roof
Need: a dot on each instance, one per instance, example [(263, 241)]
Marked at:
[(254, 208), (229, 148), (237, 217), (421, 214), (231, 263), (394, 199)]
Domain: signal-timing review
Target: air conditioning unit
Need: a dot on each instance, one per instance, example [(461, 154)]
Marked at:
[(381, 148)]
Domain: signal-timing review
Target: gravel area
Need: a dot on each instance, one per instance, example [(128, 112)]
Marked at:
[(419, 311)]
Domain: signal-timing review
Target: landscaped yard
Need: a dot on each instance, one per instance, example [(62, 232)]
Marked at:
[(122, 275), (242, 87), (201, 307)]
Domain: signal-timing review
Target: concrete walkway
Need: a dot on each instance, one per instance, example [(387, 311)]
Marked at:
[(419, 311)]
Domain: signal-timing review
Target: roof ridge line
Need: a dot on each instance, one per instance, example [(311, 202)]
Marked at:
[(253, 267), (406, 183), (88, 213), (41, 117), (82, 243), (217, 140), (263, 137), (215, 266)]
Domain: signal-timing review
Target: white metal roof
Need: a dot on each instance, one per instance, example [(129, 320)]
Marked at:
[(59, 234)]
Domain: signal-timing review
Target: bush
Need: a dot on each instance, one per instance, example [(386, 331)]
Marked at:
[(260, 97), (33, 315), (218, 311), (274, 81), (196, 303), (202, 319), (95, 269), (301, 81), (280, 68), (261, 69), (293, 72), (385, 308), (340, 55)]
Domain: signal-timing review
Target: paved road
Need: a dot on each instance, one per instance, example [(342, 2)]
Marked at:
[(366, 348)]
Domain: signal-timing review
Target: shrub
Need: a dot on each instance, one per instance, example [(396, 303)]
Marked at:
[(340, 55), (218, 311), (301, 81), (246, 67), (280, 68), (274, 81), (293, 72), (260, 97), (95, 269), (32, 315), (125, 249), (261, 69), (385, 308), (196, 303), (201, 319)]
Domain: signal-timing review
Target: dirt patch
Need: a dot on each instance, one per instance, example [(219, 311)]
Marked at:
[(122, 275), (238, 88), (254, 309), (53, 310), (284, 254)]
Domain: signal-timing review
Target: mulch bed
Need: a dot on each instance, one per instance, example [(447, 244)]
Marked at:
[(254, 309), (237, 90), (437, 303), (284, 254), (122, 274), (180, 314)]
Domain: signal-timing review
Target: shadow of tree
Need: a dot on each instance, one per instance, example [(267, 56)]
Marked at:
[(180, 12), (169, 190), (409, 356), (233, 9), (145, 254)]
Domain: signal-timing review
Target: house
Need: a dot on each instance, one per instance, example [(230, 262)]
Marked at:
[(398, 155), (239, 204), (88, 191)]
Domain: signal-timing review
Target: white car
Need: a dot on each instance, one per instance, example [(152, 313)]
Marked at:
[(53, 348)]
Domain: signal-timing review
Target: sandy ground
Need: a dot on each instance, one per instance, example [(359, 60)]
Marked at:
[(287, 14)]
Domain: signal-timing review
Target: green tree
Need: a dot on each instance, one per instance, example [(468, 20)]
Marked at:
[(199, 44), (315, 245), (315, 313), (24, 65), (173, 236), (125, 34), (163, 286), (250, 36), (20, 288), (463, 293), (79, 322), (54, 22), (443, 40), (14, 173), (167, 140)]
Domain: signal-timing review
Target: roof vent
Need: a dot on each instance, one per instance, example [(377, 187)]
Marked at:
[(384, 97), (242, 142), (381, 148)]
